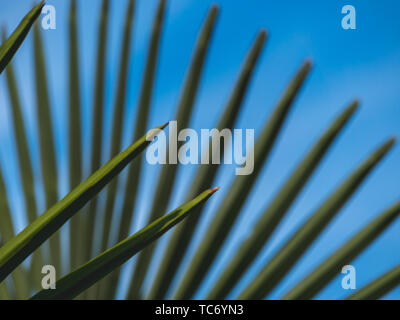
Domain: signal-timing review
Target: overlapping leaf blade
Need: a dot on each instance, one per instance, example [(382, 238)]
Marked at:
[(327, 270), (205, 176), (168, 173), (274, 213), (21, 246), (25, 167), (119, 111), (97, 125), (230, 208), (288, 255), (82, 278), (46, 138), (132, 183)]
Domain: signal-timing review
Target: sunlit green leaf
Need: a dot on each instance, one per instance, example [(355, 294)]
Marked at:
[(82, 278), (21, 246)]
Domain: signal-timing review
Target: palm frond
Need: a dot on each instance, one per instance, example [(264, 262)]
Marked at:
[(99, 277)]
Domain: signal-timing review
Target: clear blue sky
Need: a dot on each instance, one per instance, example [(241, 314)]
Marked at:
[(362, 63)]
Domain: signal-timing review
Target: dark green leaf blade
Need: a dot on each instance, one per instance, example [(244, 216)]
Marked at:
[(82, 278), (11, 45), (288, 255), (230, 208), (326, 271), (16, 250), (74, 136), (97, 126), (205, 176), (275, 211)]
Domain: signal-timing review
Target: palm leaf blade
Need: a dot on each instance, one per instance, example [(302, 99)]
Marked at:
[(97, 125), (279, 206), (168, 172), (230, 208), (205, 176), (132, 183), (379, 287), (75, 135), (119, 110), (327, 270), (287, 256), (11, 45), (46, 137), (25, 166), (82, 278), (16, 250)]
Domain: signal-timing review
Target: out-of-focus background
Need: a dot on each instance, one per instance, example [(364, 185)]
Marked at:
[(362, 63)]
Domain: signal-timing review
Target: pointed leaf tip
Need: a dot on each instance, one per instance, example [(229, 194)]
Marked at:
[(357, 101), (353, 107), (308, 64), (355, 104), (164, 125), (214, 190), (389, 143), (214, 8), (9, 47), (40, 4), (263, 33)]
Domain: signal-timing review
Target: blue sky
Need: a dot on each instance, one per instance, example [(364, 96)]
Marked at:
[(362, 63)]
